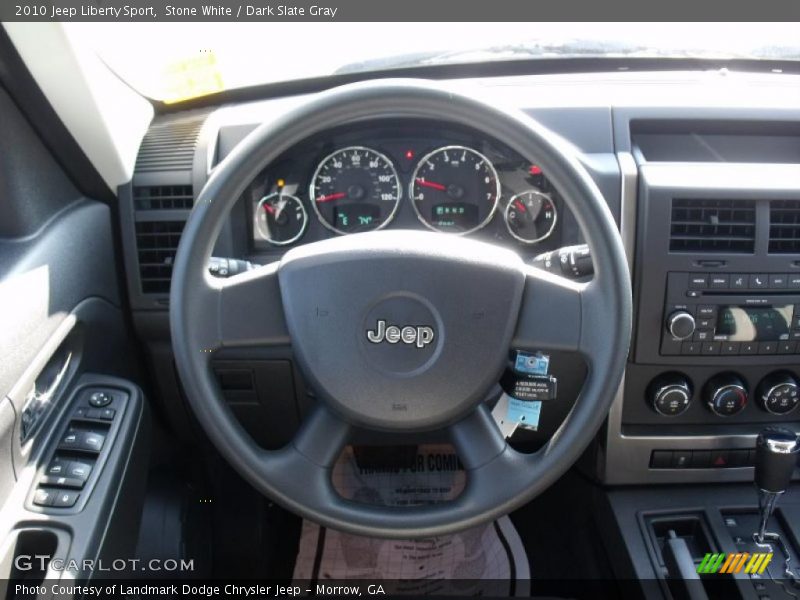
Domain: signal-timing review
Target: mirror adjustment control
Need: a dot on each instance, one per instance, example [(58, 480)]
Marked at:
[(681, 325), (100, 399), (778, 393), (726, 395), (670, 394)]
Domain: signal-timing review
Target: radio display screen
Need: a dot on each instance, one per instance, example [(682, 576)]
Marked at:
[(755, 323)]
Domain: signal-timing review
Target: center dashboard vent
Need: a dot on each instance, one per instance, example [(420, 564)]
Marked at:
[(712, 225), (784, 226)]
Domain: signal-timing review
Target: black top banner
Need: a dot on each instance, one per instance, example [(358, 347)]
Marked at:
[(399, 10)]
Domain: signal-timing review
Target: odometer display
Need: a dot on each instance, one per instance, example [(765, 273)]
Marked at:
[(355, 189), (455, 189)]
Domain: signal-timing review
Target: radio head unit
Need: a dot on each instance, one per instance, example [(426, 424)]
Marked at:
[(731, 314)]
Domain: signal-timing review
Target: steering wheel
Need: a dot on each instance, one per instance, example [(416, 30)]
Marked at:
[(451, 309)]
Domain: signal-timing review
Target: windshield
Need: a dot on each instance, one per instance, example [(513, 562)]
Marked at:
[(177, 61)]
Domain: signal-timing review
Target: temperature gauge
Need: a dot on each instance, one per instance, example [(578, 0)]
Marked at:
[(531, 216), (280, 219)]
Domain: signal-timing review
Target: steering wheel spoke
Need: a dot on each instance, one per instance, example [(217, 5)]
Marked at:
[(477, 439), (322, 436), (552, 314)]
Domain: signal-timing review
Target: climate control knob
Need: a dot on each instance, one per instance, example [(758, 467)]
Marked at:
[(726, 395), (778, 393), (681, 324), (670, 394)]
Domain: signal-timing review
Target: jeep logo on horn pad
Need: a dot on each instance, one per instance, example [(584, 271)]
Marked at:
[(417, 336)]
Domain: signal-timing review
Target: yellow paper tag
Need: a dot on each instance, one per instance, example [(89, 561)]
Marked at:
[(192, 77)]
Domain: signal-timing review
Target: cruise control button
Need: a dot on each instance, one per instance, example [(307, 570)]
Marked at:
[(44, 497), (66, 499)]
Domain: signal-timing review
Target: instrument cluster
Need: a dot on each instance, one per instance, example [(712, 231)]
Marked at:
[(402, 175)]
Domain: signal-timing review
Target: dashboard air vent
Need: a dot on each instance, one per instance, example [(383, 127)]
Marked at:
[(157, 242), (170, 145), (712, 225), (784, 226), (163, 197)]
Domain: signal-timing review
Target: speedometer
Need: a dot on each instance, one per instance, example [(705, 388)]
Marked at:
[(455, 189), (355, 189)]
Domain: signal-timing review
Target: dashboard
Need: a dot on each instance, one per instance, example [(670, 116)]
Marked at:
[(699, 169), (402, 175)]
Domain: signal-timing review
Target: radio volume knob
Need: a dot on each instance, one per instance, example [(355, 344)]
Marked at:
[(681, 324)]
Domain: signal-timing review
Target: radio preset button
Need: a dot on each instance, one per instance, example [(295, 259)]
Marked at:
[(710, 348), (767, 347), (690, 348), (785, 347), (748, 348), (730, 348)]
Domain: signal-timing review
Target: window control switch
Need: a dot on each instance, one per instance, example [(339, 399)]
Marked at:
[(62, 482), (90, 441)]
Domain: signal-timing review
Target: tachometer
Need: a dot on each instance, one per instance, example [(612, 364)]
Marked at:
[(355, 189), (455, 189)]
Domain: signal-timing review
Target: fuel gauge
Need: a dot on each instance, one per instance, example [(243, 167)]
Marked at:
[(531, 216), (280, 218)]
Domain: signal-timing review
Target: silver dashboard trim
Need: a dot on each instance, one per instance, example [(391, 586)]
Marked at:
[(626, 459)]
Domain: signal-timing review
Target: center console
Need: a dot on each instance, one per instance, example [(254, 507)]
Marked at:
[(714, 247)]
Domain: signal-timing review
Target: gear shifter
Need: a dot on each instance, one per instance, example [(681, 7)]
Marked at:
[(776, 457)]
